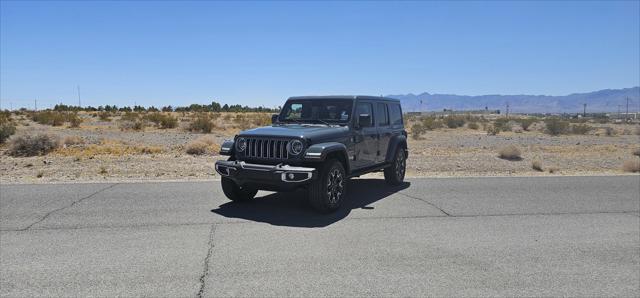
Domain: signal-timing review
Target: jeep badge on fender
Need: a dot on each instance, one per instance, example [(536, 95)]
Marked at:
[(317, 143)]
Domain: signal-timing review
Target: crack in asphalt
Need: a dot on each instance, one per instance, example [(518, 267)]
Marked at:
[(65, 207), (425, 201), (631, 213), (205, 271)]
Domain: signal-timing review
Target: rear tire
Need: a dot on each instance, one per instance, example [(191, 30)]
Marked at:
[(394, 174), (235, 192), (327, 192)]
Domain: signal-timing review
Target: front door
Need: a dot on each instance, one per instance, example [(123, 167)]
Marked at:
[(365, 137)]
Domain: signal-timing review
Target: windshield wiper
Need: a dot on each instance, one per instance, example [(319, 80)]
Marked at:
[(324, 122)]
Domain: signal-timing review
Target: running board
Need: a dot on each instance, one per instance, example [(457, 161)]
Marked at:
[(374, 168)]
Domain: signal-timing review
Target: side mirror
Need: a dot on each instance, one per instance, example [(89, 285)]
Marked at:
[(364, 120), (274, 118)]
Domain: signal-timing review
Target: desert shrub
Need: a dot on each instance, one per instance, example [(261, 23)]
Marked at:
[(7, 129), (49, 118), (502, 124), (632, 165), (104, 116), (473, 125), (203, 145), (130, 116), (131, 125), (637, 132), (431, 123), (454, 121), (556, 126), (510, 152), (609, 131), (262, 120), (525, 123), (537, 165), (553, 170), (168, 121), (74, 120), (417, 130), (580, 129), (202, 123), (33, 145), (73, 140), (492, 129), (636, 152)]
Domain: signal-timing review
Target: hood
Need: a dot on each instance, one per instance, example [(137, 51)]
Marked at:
[(310, 132)]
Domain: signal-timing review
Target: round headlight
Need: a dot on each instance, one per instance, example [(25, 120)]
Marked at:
[(295, 147), (241, 144)]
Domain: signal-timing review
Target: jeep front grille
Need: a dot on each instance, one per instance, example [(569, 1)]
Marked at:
[(266, 148)]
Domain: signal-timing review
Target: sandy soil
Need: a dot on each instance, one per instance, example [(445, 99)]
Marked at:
[(439, 153)]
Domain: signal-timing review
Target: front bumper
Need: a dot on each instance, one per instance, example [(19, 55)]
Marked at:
[(268, 177)]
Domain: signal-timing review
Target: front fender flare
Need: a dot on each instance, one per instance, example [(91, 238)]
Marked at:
[(227, 147), (319, 152)]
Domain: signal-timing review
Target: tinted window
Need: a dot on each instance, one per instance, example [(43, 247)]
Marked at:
[(364, 108), (395, 114), (382, 115)]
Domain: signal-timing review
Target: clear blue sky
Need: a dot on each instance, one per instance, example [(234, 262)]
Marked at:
[(259, 53)]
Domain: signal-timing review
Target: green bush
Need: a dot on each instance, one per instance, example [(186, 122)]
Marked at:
[(202, 123), (556, 126), (525, 123), (49, 118), (580, 129), (431, 123), (454, 121), (502, 124), (417, 130), (74, 120), (168, 121), (7, 129)]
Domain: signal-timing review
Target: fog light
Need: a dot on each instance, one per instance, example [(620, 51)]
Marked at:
[(291, 176)]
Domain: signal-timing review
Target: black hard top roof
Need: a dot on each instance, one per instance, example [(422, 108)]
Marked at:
[(345, 97)]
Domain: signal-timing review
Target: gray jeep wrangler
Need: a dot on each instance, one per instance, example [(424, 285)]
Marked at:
[(317, 143)]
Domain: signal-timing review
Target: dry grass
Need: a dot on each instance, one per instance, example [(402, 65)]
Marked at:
[(201, 146), (631, 165), (73, 141), (108, 147), (510, 152), (553, 170), (537, 165)]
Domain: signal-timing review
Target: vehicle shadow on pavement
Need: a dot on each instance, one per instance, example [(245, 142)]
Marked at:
[(291, 208)]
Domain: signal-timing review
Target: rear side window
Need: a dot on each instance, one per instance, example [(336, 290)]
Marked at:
[(382, 114), (396, 114), (364, 108)]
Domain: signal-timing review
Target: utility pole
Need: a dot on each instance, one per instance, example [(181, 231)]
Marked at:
[(619, 106), (626, 116), (507, 114), (35, 105), (79, 102), (584, 111)]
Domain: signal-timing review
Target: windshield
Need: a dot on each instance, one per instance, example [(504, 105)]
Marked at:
[(317, 111)]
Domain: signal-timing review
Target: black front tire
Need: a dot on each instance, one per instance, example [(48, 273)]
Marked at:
[(327, 192), (235, 193), (394, 173)]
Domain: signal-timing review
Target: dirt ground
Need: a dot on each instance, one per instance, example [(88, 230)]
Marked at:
[(108, 153)]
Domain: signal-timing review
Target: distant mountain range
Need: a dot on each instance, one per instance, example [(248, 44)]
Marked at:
[(606, 100)]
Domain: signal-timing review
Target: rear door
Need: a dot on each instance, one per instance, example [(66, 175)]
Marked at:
[(384, 130), (366, 137)]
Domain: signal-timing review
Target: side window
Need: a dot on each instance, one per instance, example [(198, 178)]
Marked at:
[(365, 108), (382, 115), (396, 114)]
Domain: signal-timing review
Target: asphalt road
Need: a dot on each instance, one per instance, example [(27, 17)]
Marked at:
[(556, 236)]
